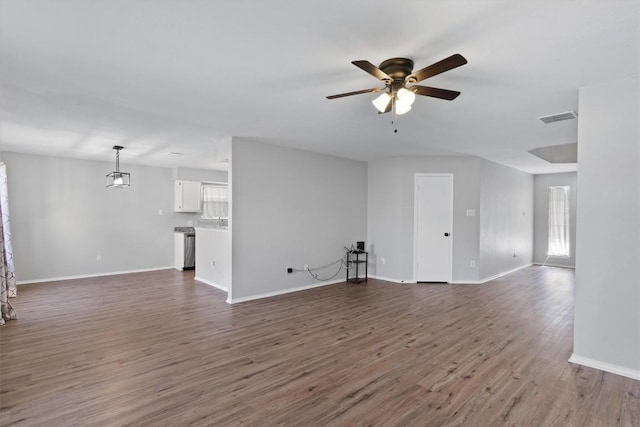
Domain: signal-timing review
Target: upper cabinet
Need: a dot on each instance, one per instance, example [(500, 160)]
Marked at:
[(187, 196)]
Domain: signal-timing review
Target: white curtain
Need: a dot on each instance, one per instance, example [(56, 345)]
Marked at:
[(215, 203), (559, 222), (7, 274)]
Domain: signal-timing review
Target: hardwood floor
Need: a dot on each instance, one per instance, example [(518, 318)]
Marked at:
[(158, 349)]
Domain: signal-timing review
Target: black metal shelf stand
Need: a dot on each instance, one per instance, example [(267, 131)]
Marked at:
[(354, 260)]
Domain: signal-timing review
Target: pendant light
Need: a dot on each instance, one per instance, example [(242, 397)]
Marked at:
[(118, 179)]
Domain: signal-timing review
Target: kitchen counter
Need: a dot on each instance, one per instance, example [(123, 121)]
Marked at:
[(213, 227), (184, 230)]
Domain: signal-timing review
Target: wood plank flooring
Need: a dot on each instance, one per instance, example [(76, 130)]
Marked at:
[(159, 349)]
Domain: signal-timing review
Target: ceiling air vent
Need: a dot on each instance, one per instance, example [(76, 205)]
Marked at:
[(559, 117)]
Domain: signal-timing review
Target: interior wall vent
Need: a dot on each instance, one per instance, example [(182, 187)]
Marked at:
[(559, 117)]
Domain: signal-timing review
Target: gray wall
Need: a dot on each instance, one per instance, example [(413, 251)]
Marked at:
[(290, 208), (506, 219), (63, 217), (506, 194), (541, 217), (192, 174), (391, 214), (607, 297)]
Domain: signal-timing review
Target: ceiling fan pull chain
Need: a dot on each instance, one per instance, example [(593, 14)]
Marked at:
[(394, 116)]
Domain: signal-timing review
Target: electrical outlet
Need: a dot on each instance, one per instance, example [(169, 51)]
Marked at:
[(213, 263), (289, 270), (306, 266), (383, 261), (472, 263)]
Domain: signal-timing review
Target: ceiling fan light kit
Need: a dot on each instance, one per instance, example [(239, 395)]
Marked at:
[(400, 81), (402, 108), (406, 96), (382, 101), (404, 100)]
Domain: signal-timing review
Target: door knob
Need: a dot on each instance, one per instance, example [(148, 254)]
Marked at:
[(446, 234)]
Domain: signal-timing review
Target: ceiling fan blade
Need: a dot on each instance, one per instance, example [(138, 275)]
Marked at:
[(449, 95), (358, 92), (446, 64), (373, 70)]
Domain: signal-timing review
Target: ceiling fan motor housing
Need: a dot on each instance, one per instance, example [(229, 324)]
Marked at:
[(397, 68)]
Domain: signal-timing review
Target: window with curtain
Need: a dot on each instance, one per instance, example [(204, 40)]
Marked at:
[(559, 245), (7, 273), (215, 201)]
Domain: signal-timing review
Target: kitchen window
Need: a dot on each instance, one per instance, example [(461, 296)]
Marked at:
[(215, 201)]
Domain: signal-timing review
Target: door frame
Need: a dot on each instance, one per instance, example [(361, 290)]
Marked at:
[(415, 222)]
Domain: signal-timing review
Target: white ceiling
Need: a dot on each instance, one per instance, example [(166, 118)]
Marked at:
[(78, 76)]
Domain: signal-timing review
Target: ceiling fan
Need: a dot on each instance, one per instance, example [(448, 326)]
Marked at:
[(400, 89)]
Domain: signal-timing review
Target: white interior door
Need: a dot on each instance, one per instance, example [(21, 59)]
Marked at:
[(433, 227)]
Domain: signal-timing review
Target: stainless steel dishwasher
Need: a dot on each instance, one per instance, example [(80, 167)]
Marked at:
[(189, 251), (184, 248)]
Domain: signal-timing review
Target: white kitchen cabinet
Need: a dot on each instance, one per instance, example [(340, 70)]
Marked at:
[(187, 196)]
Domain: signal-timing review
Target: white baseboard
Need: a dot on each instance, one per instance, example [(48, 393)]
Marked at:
[(604, 366), (458, 282), (554, 265), (284, 291), (210, 283), (504, 273), (87, 276), (388, 279)]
